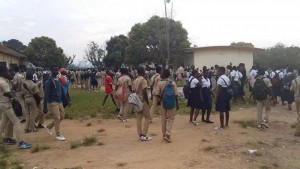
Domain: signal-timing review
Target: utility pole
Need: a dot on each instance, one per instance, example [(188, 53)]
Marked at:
[(167, 36)]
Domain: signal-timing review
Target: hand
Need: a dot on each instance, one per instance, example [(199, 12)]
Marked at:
[(45, 110)]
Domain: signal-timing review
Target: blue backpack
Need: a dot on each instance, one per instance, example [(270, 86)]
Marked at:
[(169, 96)]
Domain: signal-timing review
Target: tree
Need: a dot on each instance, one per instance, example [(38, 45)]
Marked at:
[(69, 60), (116, 49), (94, 54), (14, 43), (43, 52), (242, 44), (147, 41)]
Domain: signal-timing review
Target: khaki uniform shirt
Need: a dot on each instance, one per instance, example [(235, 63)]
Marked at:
[(127, 81), (268, 83), (18, 81), (180, 71), (296, 87), (139, 85), (154, 81), (40, 87), (162, 84), (32, 88), (4, 88)]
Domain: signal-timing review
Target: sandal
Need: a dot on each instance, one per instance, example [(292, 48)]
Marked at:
[(219, 128)]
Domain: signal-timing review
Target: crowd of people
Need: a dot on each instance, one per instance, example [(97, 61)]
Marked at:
[(153, 87)]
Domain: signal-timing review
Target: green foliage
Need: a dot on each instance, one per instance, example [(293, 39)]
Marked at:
[(43, 52), (14, 43), (75, 144), (242, 44), (147, 41), (246, 123), (94, 54), (88, 141), (39, 148), (113, 59)]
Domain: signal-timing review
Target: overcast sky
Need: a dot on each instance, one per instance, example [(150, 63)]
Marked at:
[(74, 23)]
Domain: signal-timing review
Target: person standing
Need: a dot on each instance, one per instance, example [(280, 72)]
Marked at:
[(180, 74), (206, 95), (296, 90), (222, 102), (28, 89), (9, 120), (53, 96), (154, 91), (140, 88), (108, 88), (262, 89), (235, 77), (287, 83), (167, 114), (125, 80), (40, 116), (195, 101), (99, 80)]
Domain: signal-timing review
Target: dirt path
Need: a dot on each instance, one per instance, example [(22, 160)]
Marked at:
[(192, 146)]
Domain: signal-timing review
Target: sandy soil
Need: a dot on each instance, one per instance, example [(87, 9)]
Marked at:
[(192, 146)]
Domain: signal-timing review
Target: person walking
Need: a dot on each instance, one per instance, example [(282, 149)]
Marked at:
[(108, 88), (9, 120), (195, 100), (207, 97), (53, 96), (295, 88), (154, 91), (287, 83), (40, 119)]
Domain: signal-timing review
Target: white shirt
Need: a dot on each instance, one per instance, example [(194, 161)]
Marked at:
[(35, 78), (236, 75), (205, 82), (194, 82), (222, 83), (272, 74), (253, 73)]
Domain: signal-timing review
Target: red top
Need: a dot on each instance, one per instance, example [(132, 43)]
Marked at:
[(107, 84)]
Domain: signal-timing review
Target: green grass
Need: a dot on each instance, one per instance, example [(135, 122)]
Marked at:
[(100, 130), (246, 123), (39, 148), (210, 148), (75, 144), (4, 151), (88, 141), (89, 124)]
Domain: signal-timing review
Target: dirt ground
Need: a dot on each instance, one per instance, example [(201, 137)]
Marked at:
[(192, 146)]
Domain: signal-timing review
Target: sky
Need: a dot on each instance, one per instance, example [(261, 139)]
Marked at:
[(75, 23)]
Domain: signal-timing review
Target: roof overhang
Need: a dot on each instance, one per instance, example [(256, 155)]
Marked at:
[(222, 47), (11, 51)]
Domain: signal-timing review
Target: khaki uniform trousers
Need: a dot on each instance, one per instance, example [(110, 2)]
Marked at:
[(19, 97), (31, 112), (40, 118), (139, 116), (167, 119), (9, 121), (124, 107), (153, 107), (297, 101), (58, 115), (260, 104)]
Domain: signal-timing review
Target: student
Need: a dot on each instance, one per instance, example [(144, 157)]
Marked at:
[(195, 100), (167, 115), (296, 90), (235, 77), (30, 103), (124, 104), (287, 82), (222, 102), (140, 88), (65, 85), (9, 120), (154, 91), (40, 116), (206, 95), (53, 96), (108, 88)]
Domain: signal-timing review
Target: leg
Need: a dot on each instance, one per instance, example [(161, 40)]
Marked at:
[(171, 117), (267, 105), (9, 115), (227, 118), (196, 114), (203, 113), (222, 119), (191, 114), (139, 117), (163, 120), (56, 115), (104, 100), (259, 106), (112, 99), (153, 107), (146, 114), (208, 115)]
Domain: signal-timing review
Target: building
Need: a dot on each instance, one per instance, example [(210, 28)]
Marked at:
[(11, 57), (220, 55)]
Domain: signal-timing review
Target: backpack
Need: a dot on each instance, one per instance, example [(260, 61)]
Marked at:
[(136, 102), (120, 93), (187, 89), (17, 108), (260, 90), (168, 96)]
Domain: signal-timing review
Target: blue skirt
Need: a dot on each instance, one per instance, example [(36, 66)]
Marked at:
[(195, 100), (288, 96), (223, 104), (207, 99)]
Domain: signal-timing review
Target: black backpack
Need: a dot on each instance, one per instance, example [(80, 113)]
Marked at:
[(260, 90), (187, 89)]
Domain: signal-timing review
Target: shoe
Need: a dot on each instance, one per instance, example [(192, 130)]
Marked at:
[(208, 121), (48, 130), (120, 117), (297, 134), (24, 145), (125, 120), (23, 121), (219, 128), (145, 138), (167, 138), (195, 123), (264, 123), (9, 141), (40, 126), (260, 128), (60, 138)]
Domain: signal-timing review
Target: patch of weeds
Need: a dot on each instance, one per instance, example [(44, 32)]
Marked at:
[(4, 150), (89, 124), (204, 140), (38, 148), (258, 154), (100, 130), (276, 165), (210, 148), (75, 144), (94, 114), (101, 143), (251, 143), (264, 167), (293, 125), (262, 143), (17, 164), (121, 164), (246, 123), (88, 141), (3, 164)]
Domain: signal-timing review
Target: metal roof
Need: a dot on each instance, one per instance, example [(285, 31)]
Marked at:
[(11, 51), (222, 47)]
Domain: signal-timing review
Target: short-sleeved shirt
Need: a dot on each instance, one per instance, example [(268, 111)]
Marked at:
[(162, 84), (205, 82), (194, 82), (154, 80), (40, 87), (296, 86), (223, 81), (17, 81), (180, 72), (107, 85), (32, 88), (127, 81), (139, 85), (267, 81), (4, 88)]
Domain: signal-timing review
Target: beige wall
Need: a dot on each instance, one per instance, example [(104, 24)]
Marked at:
[(222, 57), (8, 59)]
